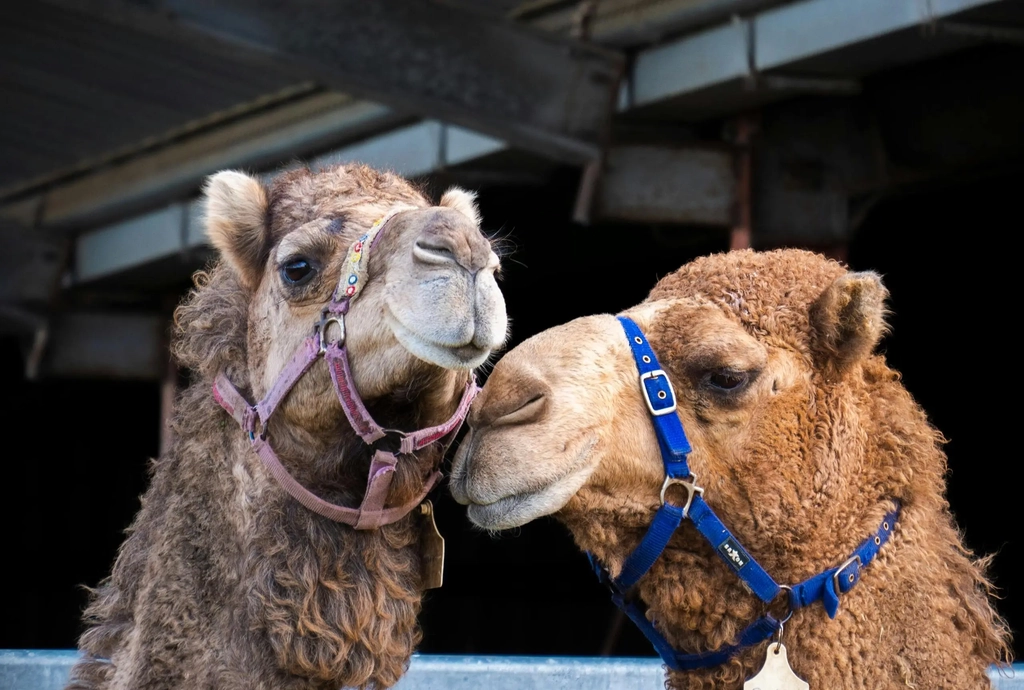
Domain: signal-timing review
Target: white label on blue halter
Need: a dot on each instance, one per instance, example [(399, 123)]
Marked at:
[(733, 553)]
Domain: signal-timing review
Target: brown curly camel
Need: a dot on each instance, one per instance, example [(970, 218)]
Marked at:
[(802, 439), (225, 581)]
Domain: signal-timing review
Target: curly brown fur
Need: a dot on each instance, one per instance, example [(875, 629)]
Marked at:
[(300, 602), (225, 581)]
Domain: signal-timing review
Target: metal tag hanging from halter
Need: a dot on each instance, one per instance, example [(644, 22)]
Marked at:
[(431, 548), (776, 674)]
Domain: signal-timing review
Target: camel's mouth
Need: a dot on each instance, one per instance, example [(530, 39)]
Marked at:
[(521, 505), (467, 355), (512, 511)]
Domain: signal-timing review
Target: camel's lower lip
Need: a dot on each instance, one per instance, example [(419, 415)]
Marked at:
[(465, 356), (516, 509), (501, 514), (462, 357), (468, 352)]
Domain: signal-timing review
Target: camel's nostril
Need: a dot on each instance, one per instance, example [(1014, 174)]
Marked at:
[(516, 393), (530, 411), (434, 251)]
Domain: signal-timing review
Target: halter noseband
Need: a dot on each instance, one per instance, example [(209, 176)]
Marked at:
[(825, 587), (254, 419)]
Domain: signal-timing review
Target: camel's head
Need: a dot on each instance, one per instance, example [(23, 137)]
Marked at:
[(430, 306), (751, 343)]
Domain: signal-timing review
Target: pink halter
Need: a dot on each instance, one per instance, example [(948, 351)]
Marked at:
[(254, 419)]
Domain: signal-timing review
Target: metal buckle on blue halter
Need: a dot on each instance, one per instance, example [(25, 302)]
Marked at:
[(825, 587)]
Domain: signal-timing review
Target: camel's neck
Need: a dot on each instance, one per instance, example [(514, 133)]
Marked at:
[(325, 601), (699, 603)]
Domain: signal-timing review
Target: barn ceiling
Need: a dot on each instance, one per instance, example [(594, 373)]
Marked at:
[(79, 92), (114, 111), (92, 82)]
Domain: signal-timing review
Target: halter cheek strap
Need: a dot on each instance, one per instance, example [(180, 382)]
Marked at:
[(825, 587), (254, 419)]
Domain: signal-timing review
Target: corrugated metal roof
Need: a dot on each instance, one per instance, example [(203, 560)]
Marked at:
[(76, 90)]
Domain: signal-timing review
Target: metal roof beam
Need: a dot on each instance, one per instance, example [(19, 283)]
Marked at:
[(412, 151), (118, 189), (692, 65), (735, 54), (540, 92), (631, 23)]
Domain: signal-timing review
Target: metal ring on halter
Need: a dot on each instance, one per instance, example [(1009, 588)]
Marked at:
[(789, 601), (783, 621), (690, 484), (259, 428), (390, 442), (778, 640), (324, 324)]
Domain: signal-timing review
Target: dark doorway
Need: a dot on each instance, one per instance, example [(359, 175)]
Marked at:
[(78, 450)]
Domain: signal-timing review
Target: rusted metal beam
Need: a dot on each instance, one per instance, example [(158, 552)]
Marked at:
[(743, 215)]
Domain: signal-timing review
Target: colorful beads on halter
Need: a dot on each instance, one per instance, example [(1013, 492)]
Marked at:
[(355, 255), (358, 254), (357, 249)]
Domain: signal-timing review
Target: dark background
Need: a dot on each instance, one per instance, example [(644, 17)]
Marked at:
[(75, 452)]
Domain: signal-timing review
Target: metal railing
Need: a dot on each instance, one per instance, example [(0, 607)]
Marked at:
[(28, 669)]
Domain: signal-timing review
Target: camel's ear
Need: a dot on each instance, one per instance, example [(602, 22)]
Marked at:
[(849, 319), (236, 223), (462, 201)]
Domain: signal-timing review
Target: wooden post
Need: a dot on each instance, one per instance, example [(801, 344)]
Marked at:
[(168, 391)]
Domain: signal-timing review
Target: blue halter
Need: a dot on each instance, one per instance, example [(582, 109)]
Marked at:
[(824, 587)]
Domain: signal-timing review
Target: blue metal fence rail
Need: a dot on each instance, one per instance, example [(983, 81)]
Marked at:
[(29, 669)]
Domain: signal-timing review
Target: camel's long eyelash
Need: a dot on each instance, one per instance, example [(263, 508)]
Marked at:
[(314, 249), (299, 256), (725, 383)]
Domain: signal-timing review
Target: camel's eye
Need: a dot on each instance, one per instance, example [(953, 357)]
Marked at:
[(297, 272), (727, 380)]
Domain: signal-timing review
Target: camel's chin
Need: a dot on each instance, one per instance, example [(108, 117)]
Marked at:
[(513, 511), (517, 509), (467, 356)]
